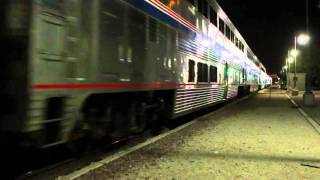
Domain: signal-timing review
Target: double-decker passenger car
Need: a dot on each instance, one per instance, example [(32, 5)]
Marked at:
[(113, 67)]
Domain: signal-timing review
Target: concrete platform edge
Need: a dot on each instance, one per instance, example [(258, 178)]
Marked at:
[(312, 122), (96, 165)]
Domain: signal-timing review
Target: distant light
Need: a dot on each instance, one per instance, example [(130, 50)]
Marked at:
[(285, 67), (294, 53), (290, 60), (303, 39)]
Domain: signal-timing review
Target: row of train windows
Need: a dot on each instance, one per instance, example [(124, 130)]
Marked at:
[(205, 73), (207, 11)]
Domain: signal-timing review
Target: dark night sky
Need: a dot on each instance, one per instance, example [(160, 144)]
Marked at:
[(269, 26)]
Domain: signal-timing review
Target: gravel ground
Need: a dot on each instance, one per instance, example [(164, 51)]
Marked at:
[(312, 111), (263, 137)]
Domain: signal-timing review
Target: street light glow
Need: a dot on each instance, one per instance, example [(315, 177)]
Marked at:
[(294, 53), (303, 39), (290, 60)]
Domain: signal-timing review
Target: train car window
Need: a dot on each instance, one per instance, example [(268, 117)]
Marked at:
[(221, 25), (240, 45), (236, 42), (191, 71), (200, 70), (213, 16), (205, 8), (205, 73), (152, 30), (213, 74), (191, 1), (187, 11), (232, 36), (200, 6), (227, 32)]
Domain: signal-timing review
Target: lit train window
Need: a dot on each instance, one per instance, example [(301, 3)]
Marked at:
[(213, 16), (191, 71), (213, 74)]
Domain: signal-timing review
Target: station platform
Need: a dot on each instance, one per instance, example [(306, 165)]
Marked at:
[(314, 110), (262, 137)]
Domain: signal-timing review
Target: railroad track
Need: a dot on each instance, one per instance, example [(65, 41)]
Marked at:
[(74, 167), (72, 163)]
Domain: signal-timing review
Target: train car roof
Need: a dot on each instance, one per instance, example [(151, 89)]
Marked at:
[(228, 21)]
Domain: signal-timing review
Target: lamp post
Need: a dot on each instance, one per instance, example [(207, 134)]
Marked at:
[(294, 53), (302, 39), (289, 61)]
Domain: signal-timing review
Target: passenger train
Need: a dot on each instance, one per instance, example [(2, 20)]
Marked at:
[(109, 68)]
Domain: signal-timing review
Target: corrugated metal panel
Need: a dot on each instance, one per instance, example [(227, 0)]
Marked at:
[(190, 99), (232, 92)]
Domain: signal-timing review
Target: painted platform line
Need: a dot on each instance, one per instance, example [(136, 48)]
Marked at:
[(95, 165), (312, 122)]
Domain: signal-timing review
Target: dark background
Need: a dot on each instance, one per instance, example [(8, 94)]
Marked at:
[(269, 26)]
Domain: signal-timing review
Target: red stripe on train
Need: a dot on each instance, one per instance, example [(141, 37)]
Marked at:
[(104, 86)]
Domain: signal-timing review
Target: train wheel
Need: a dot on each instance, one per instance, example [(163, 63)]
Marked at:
[(120, 122), (78, 143), (87, 133), (108, 118), (137, 118)]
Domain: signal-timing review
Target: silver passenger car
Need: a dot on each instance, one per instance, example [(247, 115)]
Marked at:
[(113, 67)]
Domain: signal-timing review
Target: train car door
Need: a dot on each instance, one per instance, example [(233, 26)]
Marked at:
[(50, 42)]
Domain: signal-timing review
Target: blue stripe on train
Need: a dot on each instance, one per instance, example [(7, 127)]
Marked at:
[(153, 11)]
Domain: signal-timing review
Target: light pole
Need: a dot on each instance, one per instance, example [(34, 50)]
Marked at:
[(302, 39), (289, 61), (294, 53)]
